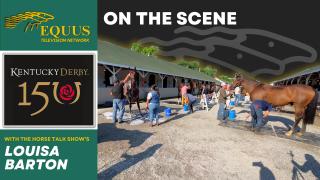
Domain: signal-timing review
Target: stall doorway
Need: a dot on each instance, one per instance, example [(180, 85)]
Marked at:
[(165, 82), (152, 80)]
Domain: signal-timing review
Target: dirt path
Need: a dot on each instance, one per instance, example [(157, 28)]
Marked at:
[(194, 146)]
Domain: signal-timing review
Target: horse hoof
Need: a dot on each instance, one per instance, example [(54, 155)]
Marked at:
[(289, 134), (299, 134)]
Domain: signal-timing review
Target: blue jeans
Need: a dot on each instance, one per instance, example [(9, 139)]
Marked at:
[(118, 105), (221, 111), (237, 99), (257, 116), (154, 111)]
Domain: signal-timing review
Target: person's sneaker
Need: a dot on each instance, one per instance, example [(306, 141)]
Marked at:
[(120, 122)]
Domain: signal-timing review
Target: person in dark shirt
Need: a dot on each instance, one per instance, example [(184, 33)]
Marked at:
[(118, 101), (260, 110), (191, 100)]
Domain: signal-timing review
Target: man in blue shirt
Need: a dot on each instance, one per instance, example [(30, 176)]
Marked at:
[(260, 110)]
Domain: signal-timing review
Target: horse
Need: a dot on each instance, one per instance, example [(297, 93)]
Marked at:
[(303, 97), (193, 87), (131, 91)]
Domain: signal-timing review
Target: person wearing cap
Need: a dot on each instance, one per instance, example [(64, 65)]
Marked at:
[(118, 98), (153, 104), (222, 98)]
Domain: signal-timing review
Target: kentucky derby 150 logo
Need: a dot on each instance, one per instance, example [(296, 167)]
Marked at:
[(48, 90), (49, 33), (66, 94)]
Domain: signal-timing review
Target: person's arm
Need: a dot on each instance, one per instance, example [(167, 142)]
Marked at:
[(147, 103), (149, 96), (111, 94), (266, 113), (304, 168), (126, 79)]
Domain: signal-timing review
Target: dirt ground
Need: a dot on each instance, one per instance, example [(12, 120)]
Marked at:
[(195, 146)]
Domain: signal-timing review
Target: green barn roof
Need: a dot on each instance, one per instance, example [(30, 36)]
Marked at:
[(114, 55)]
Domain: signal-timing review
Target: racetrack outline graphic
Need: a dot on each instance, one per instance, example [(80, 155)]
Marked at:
[(209, 44)]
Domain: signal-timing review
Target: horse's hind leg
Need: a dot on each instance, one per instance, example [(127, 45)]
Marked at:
[(296, 122), (298, 117), (303, 129)]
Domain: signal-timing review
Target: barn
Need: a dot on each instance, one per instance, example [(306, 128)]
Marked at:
[(116, 61), (309, 77)]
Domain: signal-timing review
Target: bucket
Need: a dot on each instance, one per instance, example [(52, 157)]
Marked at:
[(167, 112), (232, 103), (185, 107), (232, 115)]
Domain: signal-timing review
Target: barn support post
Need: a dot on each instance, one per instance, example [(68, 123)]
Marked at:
[(287, 82), (176, 80), (307, 80), (298, 82), (162, 76), (113, 71), (143, 75), (292, 81)]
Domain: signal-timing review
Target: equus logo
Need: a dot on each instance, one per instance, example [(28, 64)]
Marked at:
[(34, 19)]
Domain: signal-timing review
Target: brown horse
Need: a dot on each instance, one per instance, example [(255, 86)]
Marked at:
[(303, 97), (131, 91)]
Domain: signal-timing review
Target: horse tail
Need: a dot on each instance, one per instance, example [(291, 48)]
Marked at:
[(310, 112)]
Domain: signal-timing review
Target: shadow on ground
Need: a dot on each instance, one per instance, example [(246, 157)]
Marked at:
[(310, 164), (288, 123), (129, 160), (109, 132), (265, 172), (308, 137)]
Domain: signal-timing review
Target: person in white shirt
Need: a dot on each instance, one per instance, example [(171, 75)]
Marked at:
[(237, 93)]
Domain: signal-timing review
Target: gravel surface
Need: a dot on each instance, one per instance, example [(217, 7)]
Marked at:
[(194, 146)]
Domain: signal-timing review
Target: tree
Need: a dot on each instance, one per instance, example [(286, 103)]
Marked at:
[(226, 79), (148, 50), (136, 47), (189, 64), (208, 70), (194, 65)]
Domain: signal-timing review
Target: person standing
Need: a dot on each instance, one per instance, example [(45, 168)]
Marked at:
[(237, 94), (183, 92), (260, 110), (118, 101), (222, 115), (153, 104)]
